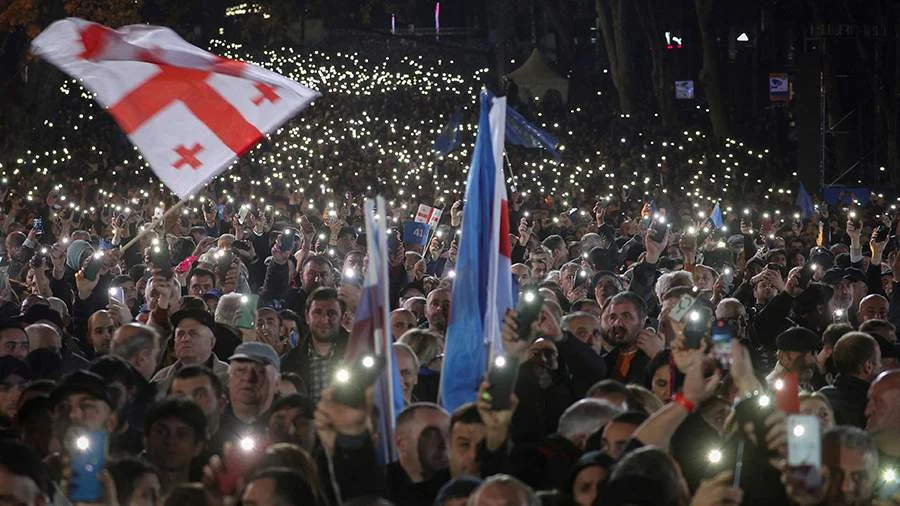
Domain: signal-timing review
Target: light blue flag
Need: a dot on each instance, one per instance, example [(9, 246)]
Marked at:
[(804, 202), (716, 216)]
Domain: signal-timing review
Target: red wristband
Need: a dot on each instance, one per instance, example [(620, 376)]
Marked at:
[(684, 402)]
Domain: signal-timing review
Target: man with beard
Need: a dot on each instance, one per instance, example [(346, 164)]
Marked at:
[(318, 353), (252, 384), (797, 347), (621, 326), (605, 285), (437, 310), (423, 430)]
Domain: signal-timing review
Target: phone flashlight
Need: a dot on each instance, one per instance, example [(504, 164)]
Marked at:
[(692, 230), (500, 361), (582, 273), (349, 273), (714, 456), (43, 251), (764, 401), (83, 443), (529, 297), (838, 313), (244, 299), (728, 271), (342, 375), (368, 362), (889, 475), (779, 384), (799, 430), (247, 443), (694, 316), (451, 274)]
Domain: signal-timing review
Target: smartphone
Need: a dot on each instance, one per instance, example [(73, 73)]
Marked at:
[(242, 214), (287, 241), (660, 229), (728, 277), (351, 381), (159, 254), (888, 482), (502, 376), (38, 225), (787, 393), (681, 308), (804, 451), (245, 318), (721, 337), (117, 294), (528, 309), (239, 457), (881, 233), (87, 459), (696, 327), (754, 410), (854, 218), (92, 269)]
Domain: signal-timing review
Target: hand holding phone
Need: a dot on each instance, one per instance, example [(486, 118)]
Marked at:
[(502, 376), (804, 452), (87, 459), (246, 314), (350, 382), (527, 311), (94, 264), (722, 335)]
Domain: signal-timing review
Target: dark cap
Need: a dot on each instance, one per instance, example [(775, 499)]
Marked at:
[(40, 312), (261, 353), (12, 366), (202, 316), (460, 487), (306, 404), (821, 257), (836, 274), (81, 382), (798, 339), (815, 293)]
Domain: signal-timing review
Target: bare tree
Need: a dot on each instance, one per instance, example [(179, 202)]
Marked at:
[(615, 22), (709, 74)]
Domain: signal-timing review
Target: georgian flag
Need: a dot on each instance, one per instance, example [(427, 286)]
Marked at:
[(428, 215), (190, 112)]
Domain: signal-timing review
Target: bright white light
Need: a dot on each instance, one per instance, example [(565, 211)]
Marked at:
[(500, 361), (779, 384), (529, 297), (694, 316), (743, 37), (714, 456), (368, 362), (342, 376), (799, 430), (248, 444), (889, 475), (764, 401), (82, 443)]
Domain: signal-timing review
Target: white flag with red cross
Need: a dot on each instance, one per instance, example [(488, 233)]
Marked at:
[(428, 215), (190, 112)]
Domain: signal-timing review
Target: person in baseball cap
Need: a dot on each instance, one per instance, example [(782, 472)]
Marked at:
[(81, 401), (796, 353), (252, 384)]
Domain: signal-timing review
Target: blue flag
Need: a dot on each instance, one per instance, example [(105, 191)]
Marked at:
[(804, 202), (483, 290), (716, 216), (449, 138), (522, 133)]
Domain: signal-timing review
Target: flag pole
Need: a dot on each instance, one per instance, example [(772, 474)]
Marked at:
[(432, 231), (511, 173), (162, 219)]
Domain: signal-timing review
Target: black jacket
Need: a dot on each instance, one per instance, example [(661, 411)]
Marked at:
[(848, 397), (636, 370), (297, 360)]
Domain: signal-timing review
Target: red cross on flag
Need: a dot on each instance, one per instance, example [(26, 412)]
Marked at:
[(190, 112)]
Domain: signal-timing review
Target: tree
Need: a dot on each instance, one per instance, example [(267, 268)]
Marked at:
[(648, 12), (615, 24), (709, 74)]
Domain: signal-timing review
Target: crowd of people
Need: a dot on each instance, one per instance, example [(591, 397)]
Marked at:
[(201, 359)]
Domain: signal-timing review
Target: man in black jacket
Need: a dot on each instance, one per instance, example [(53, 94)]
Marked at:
[(857, 358), (323, 347)]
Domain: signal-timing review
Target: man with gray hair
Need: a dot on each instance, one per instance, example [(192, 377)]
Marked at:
[(139, 345), (503, 490), (851, 456), (584, 418), (582, 325)]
